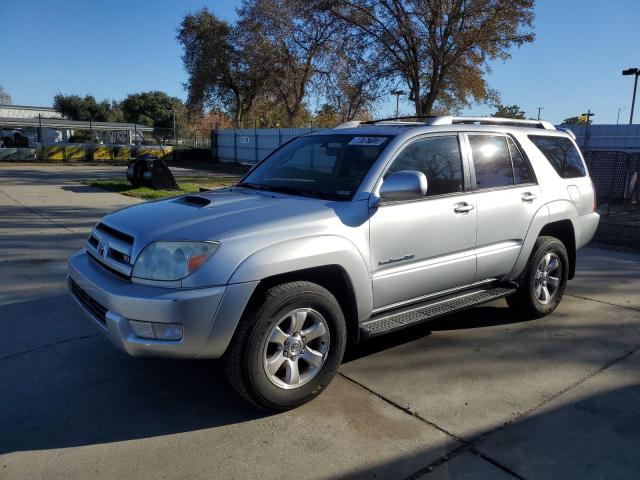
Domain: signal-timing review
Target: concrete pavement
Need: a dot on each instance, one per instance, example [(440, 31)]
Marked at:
[(478, 394)]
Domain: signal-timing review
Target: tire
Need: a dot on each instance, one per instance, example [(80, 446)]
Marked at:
[(530, 300), (251, 361)]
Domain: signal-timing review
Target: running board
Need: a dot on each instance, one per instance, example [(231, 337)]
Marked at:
[(413, 314)]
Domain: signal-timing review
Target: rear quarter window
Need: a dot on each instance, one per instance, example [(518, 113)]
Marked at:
[(561, 154)]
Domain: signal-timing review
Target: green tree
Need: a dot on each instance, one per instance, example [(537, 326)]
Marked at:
[(440, 49), (154, 109), (509, 111), (75, 107), (574, 121), (5, 98), (327, 116)]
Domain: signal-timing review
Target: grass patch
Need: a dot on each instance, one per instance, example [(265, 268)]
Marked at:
[(186, 185)]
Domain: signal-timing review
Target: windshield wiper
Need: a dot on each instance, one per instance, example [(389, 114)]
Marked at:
[(293, 190), (253, 186), (288, 189)]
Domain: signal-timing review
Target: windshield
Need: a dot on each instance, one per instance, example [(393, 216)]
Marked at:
[(323, 166)]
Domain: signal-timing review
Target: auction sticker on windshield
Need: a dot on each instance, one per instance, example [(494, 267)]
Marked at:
[(368, 141)]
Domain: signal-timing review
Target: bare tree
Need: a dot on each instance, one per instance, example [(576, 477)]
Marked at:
[(440, 48), (299, 36), (224, 64), (352, 81)]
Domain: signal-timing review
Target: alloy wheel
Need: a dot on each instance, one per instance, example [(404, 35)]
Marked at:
[(296, 348), (547, 278)]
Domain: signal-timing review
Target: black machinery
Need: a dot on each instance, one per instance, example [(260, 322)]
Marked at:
[(152, 173)]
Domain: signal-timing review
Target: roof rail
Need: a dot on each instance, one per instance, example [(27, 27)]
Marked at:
[(421, 119), (569, 131), (449, 120), (349, 124)]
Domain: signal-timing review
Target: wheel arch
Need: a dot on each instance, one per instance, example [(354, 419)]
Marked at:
[(329, 260), (554, 219), (334, 278)]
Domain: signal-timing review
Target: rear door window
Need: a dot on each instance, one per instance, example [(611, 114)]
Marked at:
[(491, 161), (521, 173), (562, 154)]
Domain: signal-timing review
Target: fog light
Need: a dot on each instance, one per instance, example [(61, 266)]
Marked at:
[(142, 329), (167, 331)]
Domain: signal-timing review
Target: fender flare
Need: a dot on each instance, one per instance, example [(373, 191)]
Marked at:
[(309, 252), (550, 212)]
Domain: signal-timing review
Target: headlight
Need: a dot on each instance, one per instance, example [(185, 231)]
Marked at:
[(172, 260)]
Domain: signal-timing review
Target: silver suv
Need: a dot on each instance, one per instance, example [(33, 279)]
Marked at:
[(337, 236)]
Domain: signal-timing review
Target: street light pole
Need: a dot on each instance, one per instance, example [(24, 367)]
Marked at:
[(397, 93), (618, 118), (636, 73), (633, 101)]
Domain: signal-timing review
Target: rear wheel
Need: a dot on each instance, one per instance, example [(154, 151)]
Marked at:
[(288, 346), (544, 279)]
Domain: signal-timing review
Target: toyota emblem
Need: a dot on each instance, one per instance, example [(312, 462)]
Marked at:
[(102, 249)]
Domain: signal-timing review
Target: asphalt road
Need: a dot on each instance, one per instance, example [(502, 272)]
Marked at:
[(476, 395)]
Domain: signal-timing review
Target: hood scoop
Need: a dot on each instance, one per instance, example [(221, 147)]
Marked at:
[(196, 201)]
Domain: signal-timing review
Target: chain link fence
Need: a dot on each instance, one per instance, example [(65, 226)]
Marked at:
[(616, 178)]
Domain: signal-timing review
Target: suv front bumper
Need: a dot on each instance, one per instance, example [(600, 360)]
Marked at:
[(208, 316)]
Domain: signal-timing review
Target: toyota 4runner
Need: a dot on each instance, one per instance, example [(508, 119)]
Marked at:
[(337, 236)]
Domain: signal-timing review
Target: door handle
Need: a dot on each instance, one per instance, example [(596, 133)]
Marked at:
[(462, 208), (529, 197)]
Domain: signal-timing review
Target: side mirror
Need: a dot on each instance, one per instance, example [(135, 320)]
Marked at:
[(404, 185)]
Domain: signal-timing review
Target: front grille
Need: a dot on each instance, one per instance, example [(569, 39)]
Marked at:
[(111, 249), (94, 307), (115, 233), (101, 264), (93, 241), (119, 256)]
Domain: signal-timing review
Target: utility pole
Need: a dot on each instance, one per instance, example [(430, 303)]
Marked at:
[(618, 118), (397, 93), (40, 128), (175, 138), (586, 116), (636, 72), (539, 108)]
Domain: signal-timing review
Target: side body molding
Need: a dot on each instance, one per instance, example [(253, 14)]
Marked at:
[(308, 252)]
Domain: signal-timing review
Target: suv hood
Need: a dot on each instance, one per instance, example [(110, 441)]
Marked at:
[(230, 213)]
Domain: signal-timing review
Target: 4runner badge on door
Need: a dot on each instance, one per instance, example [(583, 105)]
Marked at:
[(396, 260)]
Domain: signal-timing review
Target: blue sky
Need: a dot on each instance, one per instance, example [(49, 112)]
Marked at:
[(110, 49)]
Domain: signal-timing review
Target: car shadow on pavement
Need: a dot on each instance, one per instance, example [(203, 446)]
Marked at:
[(477, 317), (73, 388), (65, 385)]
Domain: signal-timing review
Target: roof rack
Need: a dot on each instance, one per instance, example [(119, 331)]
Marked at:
[(448, 120)]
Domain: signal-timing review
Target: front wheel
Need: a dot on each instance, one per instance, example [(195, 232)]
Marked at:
[(288, 346), (544, 279)]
